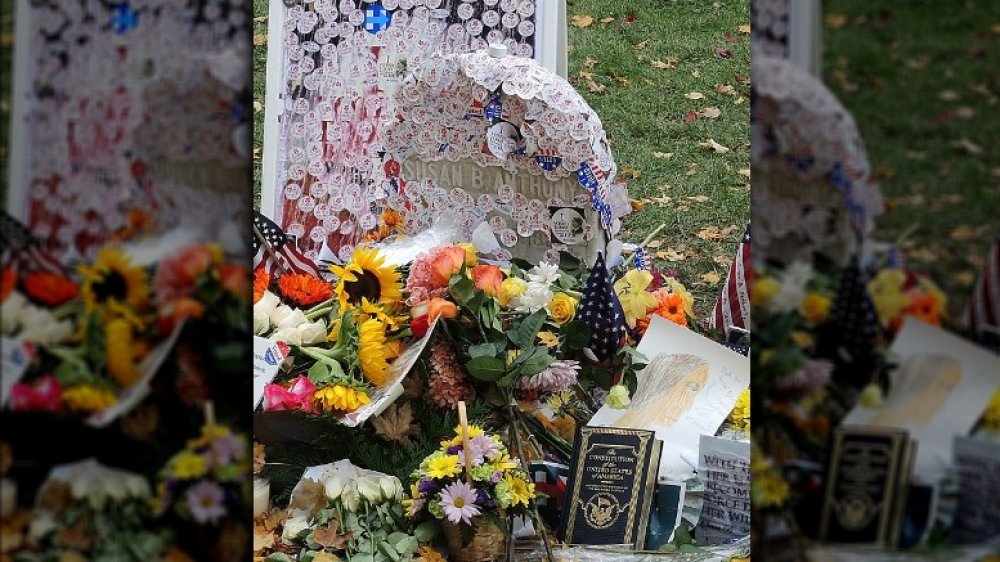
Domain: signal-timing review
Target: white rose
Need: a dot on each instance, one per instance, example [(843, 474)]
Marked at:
[(34, 317), (267, 303), (392, 488), (313, 333), (47, 334), (10, 311), (334, 487), (291, 336), (261, 322), (294, 526), (350, 498), (369, 488), (288, 317)]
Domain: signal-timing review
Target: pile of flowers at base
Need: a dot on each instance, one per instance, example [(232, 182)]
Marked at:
[(359, 518), (492, 485), (205, 483), (897, 293), (344, 342), (93, 335)]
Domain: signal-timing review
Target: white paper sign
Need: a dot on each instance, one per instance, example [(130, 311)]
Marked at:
[(688, 389), (130, 397), (17, 355), (267, 358), (977, 464), (724, 466), (393, 389), (940, 390)]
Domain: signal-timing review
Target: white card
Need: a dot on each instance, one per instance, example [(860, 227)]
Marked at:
[(267, 358), (17, 355)]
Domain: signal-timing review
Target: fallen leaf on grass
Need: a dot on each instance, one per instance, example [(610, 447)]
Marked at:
[(710, 112), (631, 172), (260, 39), (699, 198), (629, 20), (948, 95), (710, 233), (711, 277), (721, 53), (623, 81), (595, 87), (696, 73), (581, 20), (724, 89), (964, 112), (668, 63), (710, 144), (744, 28), (966, 145), (654, 244), (666, 155), (966, 233), (589, 62), (731, 38), (919, 63), (257, 106), (965, 278), (692, 169), (744, 172), (835, 21), (641, 45), (722, 260), (606, 20), (694, 96), (690, 116), (671, 255)]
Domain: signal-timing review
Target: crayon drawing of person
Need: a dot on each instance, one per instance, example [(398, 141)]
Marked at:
[(922, 388), (666, 391)]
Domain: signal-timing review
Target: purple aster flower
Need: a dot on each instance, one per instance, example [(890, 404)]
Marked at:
[(228, 449), (559, 376), (496, 477), (481, 447), (482, 497), (454, 449), (427, 487), (812, 375), (458, 500), (204, 500)]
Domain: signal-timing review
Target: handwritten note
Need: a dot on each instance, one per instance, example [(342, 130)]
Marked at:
[(17, 355), (724, 466), (977, 463), (267, 358)]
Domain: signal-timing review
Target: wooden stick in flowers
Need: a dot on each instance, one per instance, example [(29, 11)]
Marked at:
[(269, 249), (463, 422), (210, 431)]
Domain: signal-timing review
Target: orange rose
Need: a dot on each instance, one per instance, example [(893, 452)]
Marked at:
[(7, 281), (488, 279), (441, 307), (446, 263), (196, 260), (186, 307), (234, 279), (49, 289)]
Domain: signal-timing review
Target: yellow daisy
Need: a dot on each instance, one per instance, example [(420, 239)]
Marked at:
[(188, 465), (113, 278), (522, 491), (372, 352), (367, 276), (443, 466)]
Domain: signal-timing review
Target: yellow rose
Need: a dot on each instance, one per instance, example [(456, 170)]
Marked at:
[(510, 288), (815, 308), (871, 396), (763, 290), (562, 308), (471, 259)]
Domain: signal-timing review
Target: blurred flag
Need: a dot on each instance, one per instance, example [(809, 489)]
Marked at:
[(982, 314), (732, 308), (600, 309), (24, 251), (275, 251), (853, 312)]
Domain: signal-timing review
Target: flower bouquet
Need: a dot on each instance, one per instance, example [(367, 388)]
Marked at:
[(471, 484)]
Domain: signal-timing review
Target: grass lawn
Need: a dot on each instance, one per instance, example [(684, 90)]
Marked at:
[(923, 81), (636, 70)]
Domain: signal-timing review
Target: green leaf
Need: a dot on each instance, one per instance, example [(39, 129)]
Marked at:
[(407, 547), (426, 531), (462, 289), (388, 550), (486, 369), (522, 265), (278, 557), (468, 533), (482, 350), (396, 537), (537, 360), (568, 262), (524, 335), (577, 335)]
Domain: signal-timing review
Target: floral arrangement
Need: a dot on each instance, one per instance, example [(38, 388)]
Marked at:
[(644, 293), (344, 342), (458, 484), (896, 293), (359, 517), (94, 333), (205, 483)]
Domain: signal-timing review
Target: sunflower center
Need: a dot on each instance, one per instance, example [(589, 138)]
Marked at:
[(111, 286), (366, 287)]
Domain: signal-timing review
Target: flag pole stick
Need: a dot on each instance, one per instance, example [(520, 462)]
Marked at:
[(269, 249)]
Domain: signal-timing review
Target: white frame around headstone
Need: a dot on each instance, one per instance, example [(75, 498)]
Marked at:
[(19, 155), (550, 52)]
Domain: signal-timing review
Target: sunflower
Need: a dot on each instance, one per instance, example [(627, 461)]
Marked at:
[(341, 397), (120, 351), (367, 276), (88, 398), (372, 353), (261, 282), (49, 289), (303, 289), (113, 278)]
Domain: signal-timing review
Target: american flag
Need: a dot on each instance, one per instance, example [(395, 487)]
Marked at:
[(853, 313), (550, 479), (278, 246), (600, 309), (982, 314), (732, 308), (24, 251)]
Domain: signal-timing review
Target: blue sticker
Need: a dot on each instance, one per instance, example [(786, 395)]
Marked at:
[(269, 357), (494, 110), (377, 18), (548, 162), (123, 18)]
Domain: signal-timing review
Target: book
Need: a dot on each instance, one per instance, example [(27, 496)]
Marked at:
[(867, 479), (610, 489)]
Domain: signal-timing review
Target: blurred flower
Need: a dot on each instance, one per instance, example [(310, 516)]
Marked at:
[(112, 277), (188, 465), (762, 290), (261, 282), (49, 289), (119, 352), (439, 307), (88, 398), (925, 307), (458, 500), (634, 297), (767, 487), (618, 397), (815, 308), (812, 375), (888, 296), (487, 278), (204, 500), (870, 396), (8, 279), (233, 278), (304, 289), (991, 417), (562, 308), (511, 288), (792, 290)]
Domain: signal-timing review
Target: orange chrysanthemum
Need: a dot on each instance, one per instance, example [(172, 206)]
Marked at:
[(304, 289), (49, 289), (7, 281), (926, 308), (261, 282), (671, 307)]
